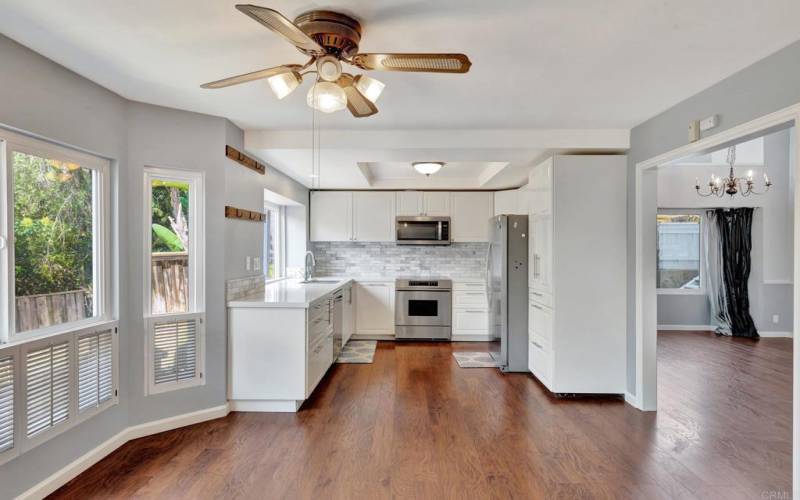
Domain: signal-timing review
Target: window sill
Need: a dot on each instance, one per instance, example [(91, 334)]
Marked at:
[(680, 291), (57, 331)]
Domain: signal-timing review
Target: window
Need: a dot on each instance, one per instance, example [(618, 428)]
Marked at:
[(58, 339), (274, 241), (54, 216), (174, 282), (679, 251)]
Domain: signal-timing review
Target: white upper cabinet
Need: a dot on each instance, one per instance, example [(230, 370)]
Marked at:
[(331, 216), (409, 203), (471, 212), (417, 203), (436, 204), (373, 215), (508, 203), (540, 188)]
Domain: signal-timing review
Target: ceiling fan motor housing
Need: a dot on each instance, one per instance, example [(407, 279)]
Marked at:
[(338, 34)]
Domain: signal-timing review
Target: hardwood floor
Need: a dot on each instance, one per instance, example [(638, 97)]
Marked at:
[(414, 425)]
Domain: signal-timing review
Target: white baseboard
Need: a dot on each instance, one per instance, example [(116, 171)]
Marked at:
[(372, 336), (687, 328), (280, 406), (66, 474), (472, 338), (633, 400), (775, 334)]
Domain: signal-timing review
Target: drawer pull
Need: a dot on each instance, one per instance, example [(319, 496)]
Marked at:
[(473, 293), (474, 311), (538, 307), (537, 294)]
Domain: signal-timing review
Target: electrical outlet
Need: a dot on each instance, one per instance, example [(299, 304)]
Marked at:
[(247, 263), (776, 319), (694, 131)]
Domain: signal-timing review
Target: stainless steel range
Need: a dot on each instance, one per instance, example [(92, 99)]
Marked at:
[(423, 308)]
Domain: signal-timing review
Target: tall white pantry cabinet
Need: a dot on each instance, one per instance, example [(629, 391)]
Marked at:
[(577, 273)]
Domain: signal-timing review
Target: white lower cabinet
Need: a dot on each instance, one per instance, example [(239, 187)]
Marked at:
[(470, 320), (375, 310)]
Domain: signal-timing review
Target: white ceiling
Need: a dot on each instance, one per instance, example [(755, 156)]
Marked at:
[(536, 64)]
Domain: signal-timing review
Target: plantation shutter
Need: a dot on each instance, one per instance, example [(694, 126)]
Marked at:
[(175, 350), (47, 387), (95, 369), (6, 403)]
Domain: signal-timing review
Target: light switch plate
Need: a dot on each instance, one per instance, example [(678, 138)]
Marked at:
[(247, 263), (694, 131), (256, 263)]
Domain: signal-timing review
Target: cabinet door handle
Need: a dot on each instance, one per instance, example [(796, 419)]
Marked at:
[(537, 294), (538, 307)]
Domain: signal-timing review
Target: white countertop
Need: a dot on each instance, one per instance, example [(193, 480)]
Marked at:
[(290, 293)]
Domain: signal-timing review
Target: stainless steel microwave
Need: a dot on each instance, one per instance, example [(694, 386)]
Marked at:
[(422, 231)]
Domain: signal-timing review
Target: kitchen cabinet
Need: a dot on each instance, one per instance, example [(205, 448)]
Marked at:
[(423, 203), (348, 313), (578, 274), (471, 212), (331, 216), (375, 308), (352, 216), (540, 250), (508, 202), (470, 312), (373, 216)]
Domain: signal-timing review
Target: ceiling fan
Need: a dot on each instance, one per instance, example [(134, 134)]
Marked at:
[(331, 38)]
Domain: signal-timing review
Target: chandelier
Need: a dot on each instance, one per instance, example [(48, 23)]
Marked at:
[(732, 185)]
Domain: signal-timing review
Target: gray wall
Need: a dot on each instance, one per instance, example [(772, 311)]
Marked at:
[(245, 189), (769, 85), (41, 98)]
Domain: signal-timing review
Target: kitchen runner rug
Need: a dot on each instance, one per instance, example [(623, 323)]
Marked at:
[(474, 360), (358, 351)]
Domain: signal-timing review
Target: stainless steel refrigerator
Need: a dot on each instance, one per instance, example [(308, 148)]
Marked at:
[(507, 288)]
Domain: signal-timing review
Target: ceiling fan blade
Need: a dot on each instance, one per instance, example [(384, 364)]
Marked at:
[(249, 77), (359, 106), (275, 21), (431, 63)]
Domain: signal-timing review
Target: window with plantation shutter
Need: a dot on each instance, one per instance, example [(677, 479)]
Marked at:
[(175, 283), (6, 403), (175, 350), (47, 387), (95, 369)]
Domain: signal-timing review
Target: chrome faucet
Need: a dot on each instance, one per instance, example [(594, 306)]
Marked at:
[(311, 265)]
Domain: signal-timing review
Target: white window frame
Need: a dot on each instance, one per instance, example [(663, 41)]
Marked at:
[(19, 351), (687, 291), (281, 271), (10, 142), (196, 274)]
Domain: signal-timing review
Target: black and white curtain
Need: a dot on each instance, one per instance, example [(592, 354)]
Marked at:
[(728, 245)]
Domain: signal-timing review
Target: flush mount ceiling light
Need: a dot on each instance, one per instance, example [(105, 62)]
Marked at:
[(330, 39), (427, 167)]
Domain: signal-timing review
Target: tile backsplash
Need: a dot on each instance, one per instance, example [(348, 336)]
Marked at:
[(388, 260)]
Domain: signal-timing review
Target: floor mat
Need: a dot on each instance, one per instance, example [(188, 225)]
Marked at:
[(358, 351), (474, 360)]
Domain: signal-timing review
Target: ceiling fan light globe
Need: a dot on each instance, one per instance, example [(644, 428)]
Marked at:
[(326, 97), (284, 84), (329, 68), (369, 87), (427, 167)]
